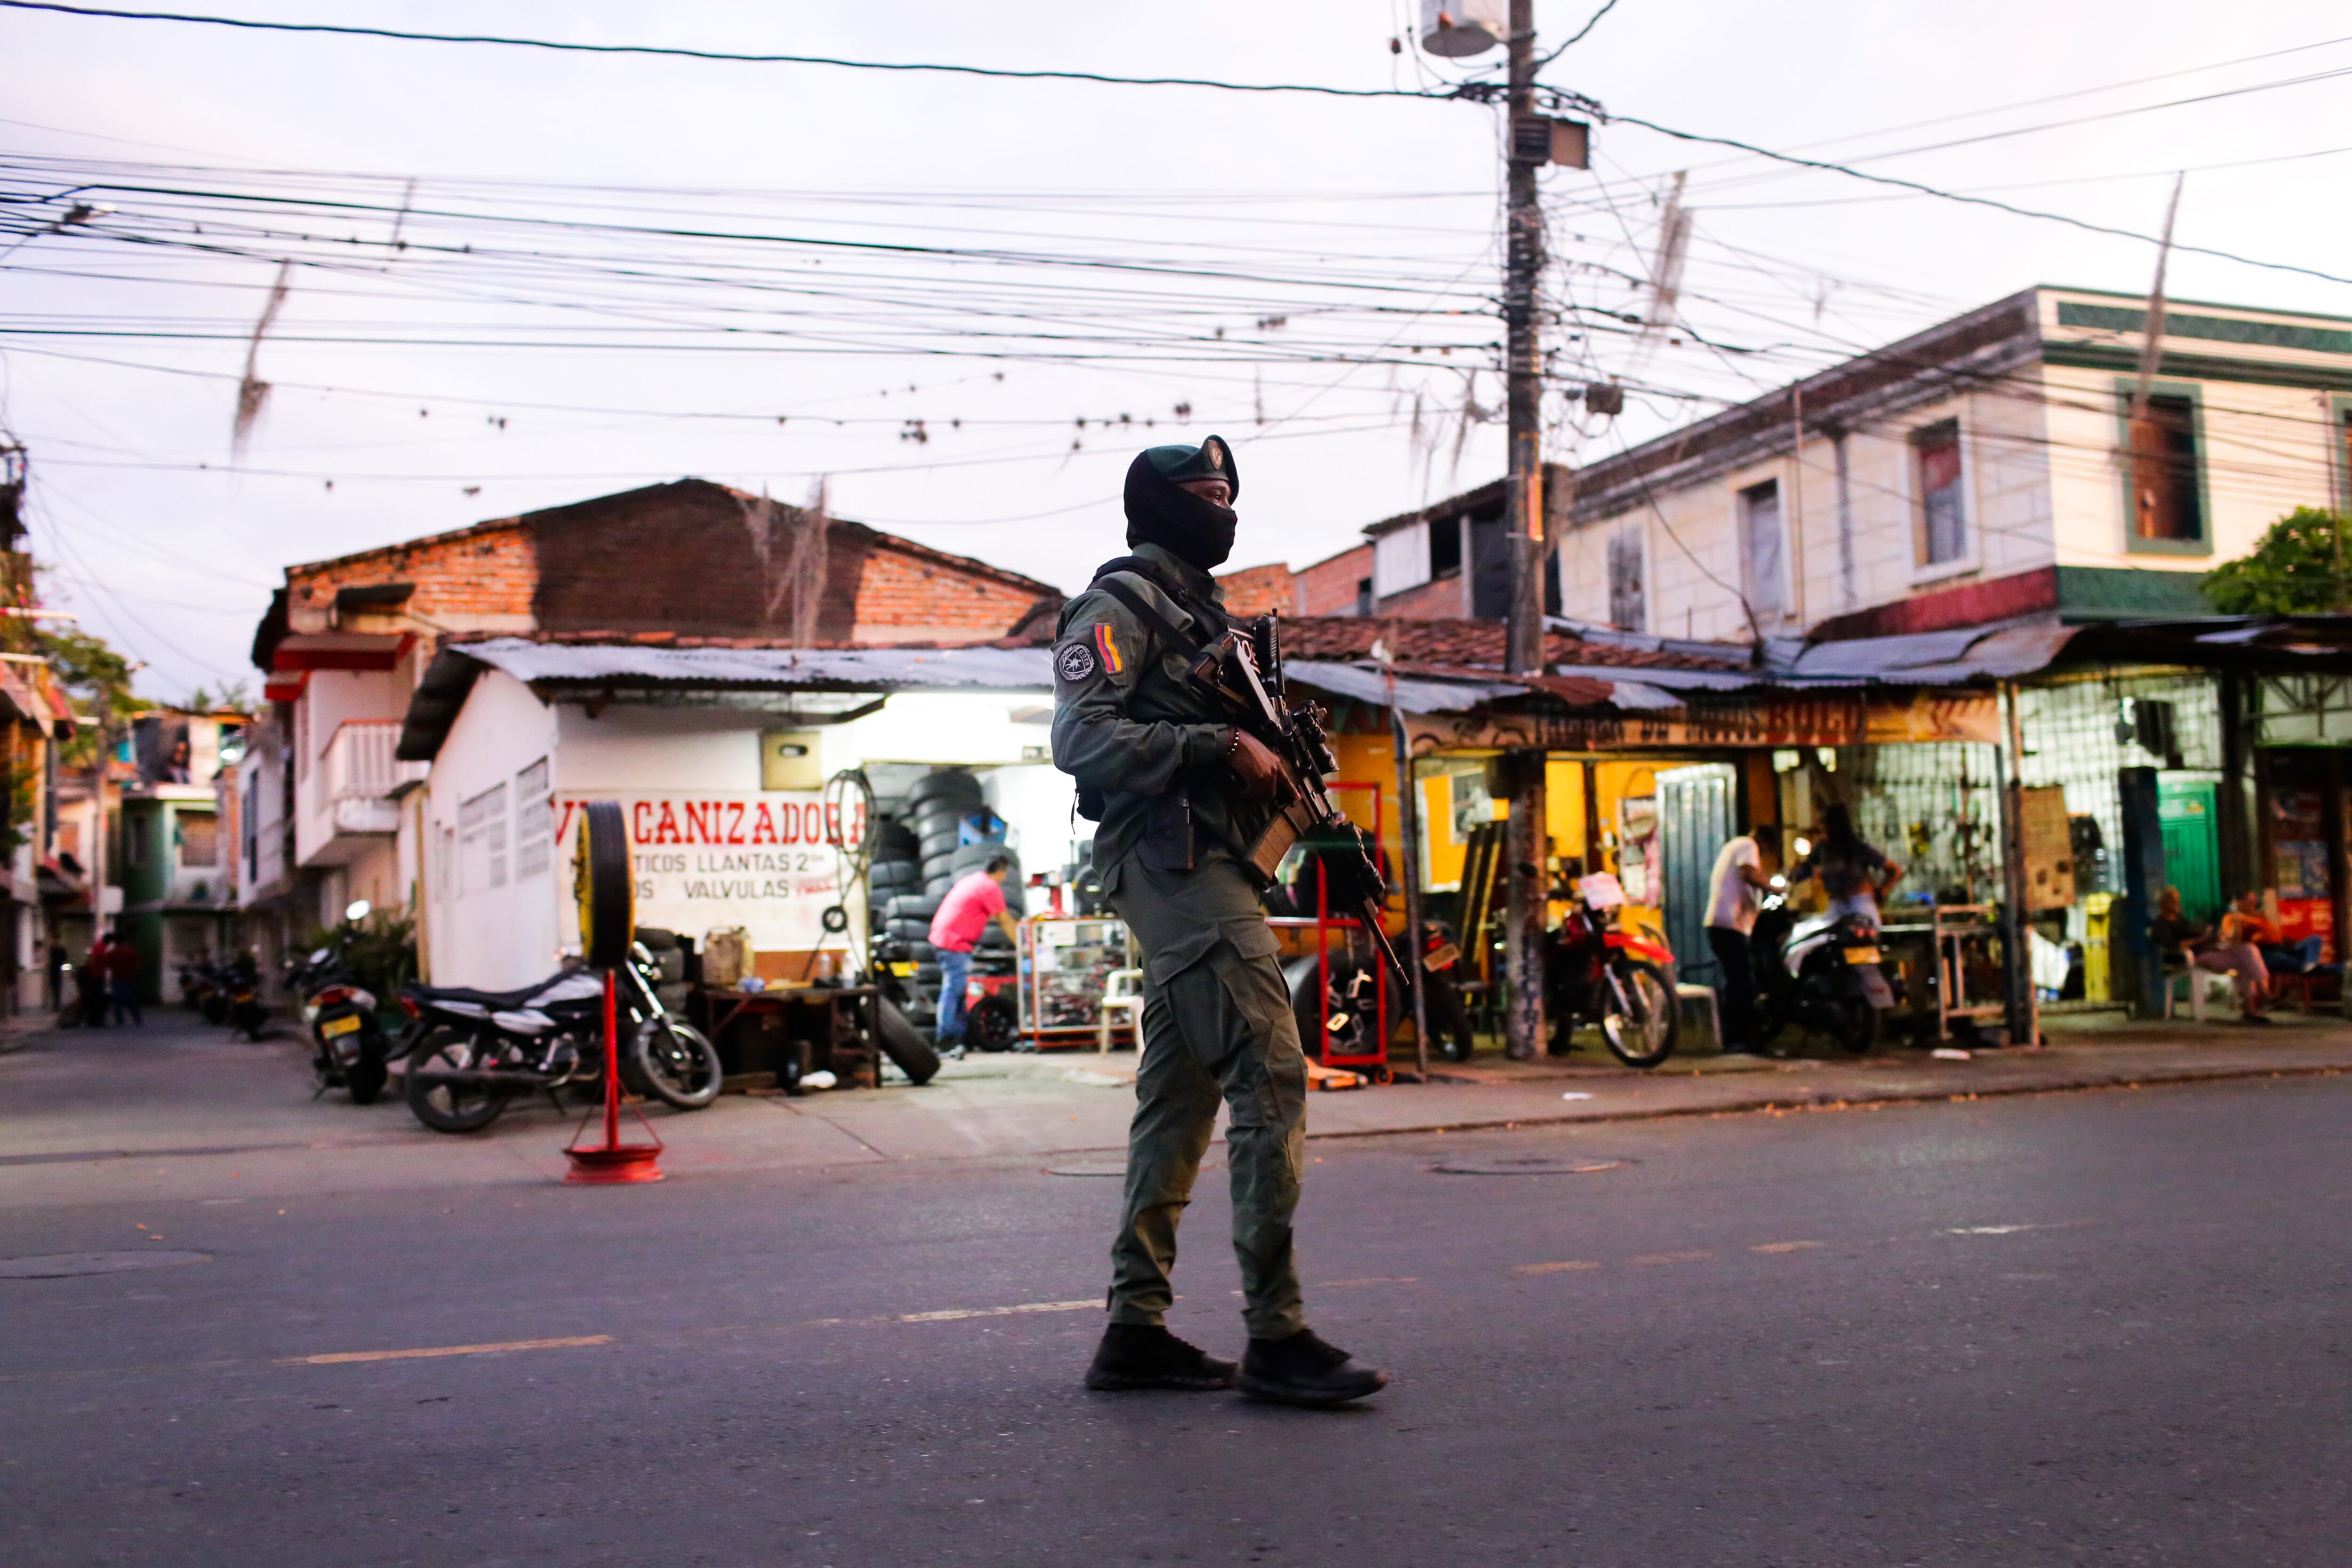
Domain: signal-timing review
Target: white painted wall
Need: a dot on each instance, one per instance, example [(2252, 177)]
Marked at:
[(492, 932), (510, 933), (2265, 452)]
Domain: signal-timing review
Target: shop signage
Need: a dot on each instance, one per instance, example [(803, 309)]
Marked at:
[(1837, 719), (715, 859)]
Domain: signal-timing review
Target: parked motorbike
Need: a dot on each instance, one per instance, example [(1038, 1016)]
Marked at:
[(350, 1049), (201, 988), (470, 1052), (246, 1013), (1596, 972), (1818, 973)]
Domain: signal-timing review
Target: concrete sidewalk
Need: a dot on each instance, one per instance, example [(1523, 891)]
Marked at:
[(175, 1108)]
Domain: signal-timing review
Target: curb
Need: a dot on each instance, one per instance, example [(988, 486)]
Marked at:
[(1828, 1101)]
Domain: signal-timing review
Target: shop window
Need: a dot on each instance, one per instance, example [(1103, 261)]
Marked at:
[(1364, 597), (1942, 521), (1490, 567), (1764, 577), (2166, 507), (1627, 608), (534, 822)]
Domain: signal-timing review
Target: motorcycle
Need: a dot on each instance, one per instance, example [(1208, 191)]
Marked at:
[(1595, 972), (1820, 974), (470, 1052), (350, 1049), (245, 1013), (201, 988)]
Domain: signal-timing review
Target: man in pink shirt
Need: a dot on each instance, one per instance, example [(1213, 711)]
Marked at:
[(955, 932)]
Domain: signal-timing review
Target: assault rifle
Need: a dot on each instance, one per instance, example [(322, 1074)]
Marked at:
[(1242, 668)]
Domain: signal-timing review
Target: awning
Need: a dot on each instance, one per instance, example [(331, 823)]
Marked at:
[(337, 650), (766, 669)]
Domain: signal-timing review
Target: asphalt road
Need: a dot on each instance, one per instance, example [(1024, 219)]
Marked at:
[(2082, 1328)]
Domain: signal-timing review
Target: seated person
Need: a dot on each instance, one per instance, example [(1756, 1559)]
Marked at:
[(2173, 932), (2245, 921)]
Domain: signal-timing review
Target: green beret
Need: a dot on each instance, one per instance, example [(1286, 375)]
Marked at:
[(1211, 459)]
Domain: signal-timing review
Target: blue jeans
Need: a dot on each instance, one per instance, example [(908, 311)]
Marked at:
[(955, 974), (124, 994)]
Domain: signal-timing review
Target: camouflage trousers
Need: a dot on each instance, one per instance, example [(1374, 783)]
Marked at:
[(1217, 1024)]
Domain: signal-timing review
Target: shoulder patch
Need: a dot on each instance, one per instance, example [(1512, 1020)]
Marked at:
[(1075, 661)]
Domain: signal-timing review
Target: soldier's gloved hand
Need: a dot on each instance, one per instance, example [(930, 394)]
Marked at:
[(1257, 767)]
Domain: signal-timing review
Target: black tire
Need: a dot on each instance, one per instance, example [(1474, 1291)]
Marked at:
[(1851, 1023), (906, 1047), (1353, 1037), (894, 877), (368, 1074), (909, 930), (673, 998), (912, 907), (1645, 1035), (215, 1009), (951, 783), (895, 841), (604, 885), (1449, 1020), (927, 973), (448, 1107), (676, 1064), (993, 1024), (973, 856), (656, 939), (939, 886)]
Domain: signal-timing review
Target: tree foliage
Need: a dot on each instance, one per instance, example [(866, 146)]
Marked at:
[(2303, 566), (98, 680)]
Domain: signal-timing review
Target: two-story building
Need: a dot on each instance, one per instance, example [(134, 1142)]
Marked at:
[(169, 857), (346, 643)]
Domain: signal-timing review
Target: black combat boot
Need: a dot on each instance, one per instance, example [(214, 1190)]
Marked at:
[(1303, 1370), (1146, 1355)]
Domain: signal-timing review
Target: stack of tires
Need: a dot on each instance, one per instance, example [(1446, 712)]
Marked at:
[(671, 986)]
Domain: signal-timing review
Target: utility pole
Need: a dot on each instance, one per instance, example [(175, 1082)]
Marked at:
[(1526, 884)]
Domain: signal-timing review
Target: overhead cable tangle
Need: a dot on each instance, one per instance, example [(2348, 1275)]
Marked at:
[(1579, 102), (724, 55)]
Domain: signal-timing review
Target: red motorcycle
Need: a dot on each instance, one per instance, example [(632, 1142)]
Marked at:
[(1595, 972)]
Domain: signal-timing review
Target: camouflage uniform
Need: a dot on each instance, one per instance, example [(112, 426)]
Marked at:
[(1216, 1014)]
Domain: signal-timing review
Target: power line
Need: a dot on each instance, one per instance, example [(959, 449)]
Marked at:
[(727, 56), (1579, 102)]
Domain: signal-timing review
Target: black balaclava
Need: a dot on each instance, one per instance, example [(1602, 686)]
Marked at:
[(1161, 512)]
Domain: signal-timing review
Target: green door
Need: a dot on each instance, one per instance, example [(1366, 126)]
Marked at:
[(2192, 851)]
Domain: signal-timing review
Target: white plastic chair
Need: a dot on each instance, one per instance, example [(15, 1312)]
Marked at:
[(2201, 987), (1122, 993)]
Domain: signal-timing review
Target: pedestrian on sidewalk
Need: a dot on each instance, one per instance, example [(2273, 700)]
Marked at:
[(1180, 794), (89, 985), (956, 930), (2199, 948), (1735, 894), (123, 978)]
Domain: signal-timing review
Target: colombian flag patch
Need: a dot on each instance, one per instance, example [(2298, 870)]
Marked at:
[(1108, 649)]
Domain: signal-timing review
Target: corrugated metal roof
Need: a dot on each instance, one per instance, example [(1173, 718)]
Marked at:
[(776, 668)]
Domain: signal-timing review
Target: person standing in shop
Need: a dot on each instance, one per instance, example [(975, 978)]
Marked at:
[(1741, 877), (956, 930), (1179, 793)]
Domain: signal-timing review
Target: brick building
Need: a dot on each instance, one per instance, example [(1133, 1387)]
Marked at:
[(345, 642)]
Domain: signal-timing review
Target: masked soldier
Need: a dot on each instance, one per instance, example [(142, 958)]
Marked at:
[(1180, 793)]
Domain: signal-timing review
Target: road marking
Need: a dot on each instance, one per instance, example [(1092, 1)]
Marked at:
[(1673, 1256), (1990, 1230), (1553, 1267), (445, 1349), (956, 1312), (1374, 1279), (1787, 1246)]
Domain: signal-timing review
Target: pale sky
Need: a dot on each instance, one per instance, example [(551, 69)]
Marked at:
[(1065, 252)]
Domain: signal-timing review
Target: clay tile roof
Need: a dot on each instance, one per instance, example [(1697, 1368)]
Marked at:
[(1473, 645)]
